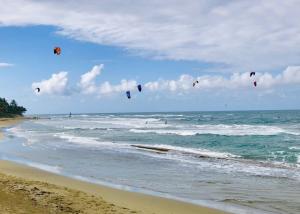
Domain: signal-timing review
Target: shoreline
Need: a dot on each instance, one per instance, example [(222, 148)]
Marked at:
[(136, 202), (7, 122), (112, 200)]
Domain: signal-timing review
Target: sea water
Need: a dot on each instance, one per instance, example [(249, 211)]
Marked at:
[(242, 162)]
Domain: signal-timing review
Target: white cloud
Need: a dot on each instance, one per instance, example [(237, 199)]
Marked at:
[(106, 88), (57, 84), (87, 80), (88, 86), (4, 65), (265, 81), (246, 34)]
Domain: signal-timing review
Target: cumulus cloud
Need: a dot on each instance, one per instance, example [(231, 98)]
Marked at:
[(106, 88), (236, 33), (290, 76), (4, 65), (57, 84), (183, 83), (265, 81), (88, 85), (87, 80)]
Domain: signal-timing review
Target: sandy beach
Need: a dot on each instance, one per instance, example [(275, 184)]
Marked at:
[(29, 190)]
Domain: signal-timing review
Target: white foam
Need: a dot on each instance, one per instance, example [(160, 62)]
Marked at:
[(191, 151), (54, 169), (28, 135), (220, 129), (77, 139), (155, 115), (131, 123), (162, 131), (294, 147), (90, 141), (81, 115), (103, 122)]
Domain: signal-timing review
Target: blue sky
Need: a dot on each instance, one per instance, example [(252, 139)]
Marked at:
[(164, 51)]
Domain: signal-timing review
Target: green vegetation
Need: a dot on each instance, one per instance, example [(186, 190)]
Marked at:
[(10, 109)]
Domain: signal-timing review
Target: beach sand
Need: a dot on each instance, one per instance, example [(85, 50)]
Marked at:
[(28, 190)]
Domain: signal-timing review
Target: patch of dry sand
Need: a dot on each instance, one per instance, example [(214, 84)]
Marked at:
[(21, 196)]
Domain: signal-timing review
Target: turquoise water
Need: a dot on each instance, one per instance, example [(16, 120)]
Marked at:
[(243, 162)]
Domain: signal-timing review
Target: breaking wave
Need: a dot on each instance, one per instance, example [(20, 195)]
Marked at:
[(221, 129)]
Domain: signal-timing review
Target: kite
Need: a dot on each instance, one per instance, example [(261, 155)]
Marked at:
[(252, 73), (139, 87), (128, 94), (57, 50), (194, 83)]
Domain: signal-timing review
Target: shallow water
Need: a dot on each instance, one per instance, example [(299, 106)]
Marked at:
[(245, 162)]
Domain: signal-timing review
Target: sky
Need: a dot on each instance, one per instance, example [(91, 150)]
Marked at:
[(111, 46)]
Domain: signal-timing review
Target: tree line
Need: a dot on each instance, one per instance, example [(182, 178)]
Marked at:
[(10, 109)]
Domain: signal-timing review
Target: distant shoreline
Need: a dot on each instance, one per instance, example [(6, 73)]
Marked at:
[(160, 112)]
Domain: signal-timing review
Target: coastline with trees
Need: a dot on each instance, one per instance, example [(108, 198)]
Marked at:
[(10, 109)]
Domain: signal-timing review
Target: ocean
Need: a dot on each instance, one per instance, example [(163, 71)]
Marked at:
[(242, 162)]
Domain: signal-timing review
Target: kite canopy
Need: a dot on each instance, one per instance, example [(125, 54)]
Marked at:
[(38, 90), (252, 73), (128, 94), (196, 82), (139, 87), (57, 50)]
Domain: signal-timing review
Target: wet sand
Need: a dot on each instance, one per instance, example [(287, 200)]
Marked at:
[(28, 190)]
